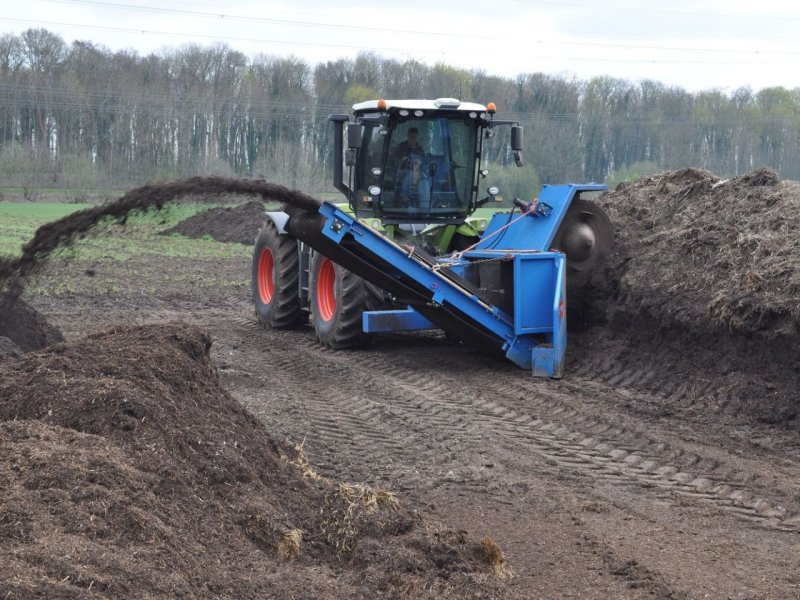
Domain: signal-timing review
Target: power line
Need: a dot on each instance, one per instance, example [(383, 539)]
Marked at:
[(606, 33), (472, 36), (232, 17), (483, 54), (607, 9), (126, 103), (663, 11)]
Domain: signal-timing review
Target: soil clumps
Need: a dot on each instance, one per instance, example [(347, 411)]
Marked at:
[(238, 224), (128, 471)]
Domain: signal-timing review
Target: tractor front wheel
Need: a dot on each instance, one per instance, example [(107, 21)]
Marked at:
[(276, 273), (338, 299)]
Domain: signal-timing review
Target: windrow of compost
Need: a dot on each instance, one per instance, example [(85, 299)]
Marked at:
[(700, 298), (232, 224), (128, 471)]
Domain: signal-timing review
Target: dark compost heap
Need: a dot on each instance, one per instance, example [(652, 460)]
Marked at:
[(700, 299), (128, 471)]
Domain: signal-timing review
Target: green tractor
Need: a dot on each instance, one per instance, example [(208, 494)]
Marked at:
[(412, 170)]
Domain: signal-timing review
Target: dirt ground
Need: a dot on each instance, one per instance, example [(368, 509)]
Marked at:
[(666, 464)]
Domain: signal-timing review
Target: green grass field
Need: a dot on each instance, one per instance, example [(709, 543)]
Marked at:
[(140, 235), (134, 260)]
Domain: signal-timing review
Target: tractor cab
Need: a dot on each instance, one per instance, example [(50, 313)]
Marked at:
[(414, 161)]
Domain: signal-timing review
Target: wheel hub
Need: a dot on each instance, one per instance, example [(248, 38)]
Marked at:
[(266, 269), (326, 290)]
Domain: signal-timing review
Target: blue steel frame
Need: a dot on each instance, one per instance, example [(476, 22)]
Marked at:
[(537, 230), (539, 291)]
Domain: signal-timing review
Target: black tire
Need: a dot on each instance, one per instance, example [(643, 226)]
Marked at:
[(338, 298), (585, 236), (276, 272)]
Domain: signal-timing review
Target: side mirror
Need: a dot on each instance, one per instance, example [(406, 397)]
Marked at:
[(516, 144), (350, 157), (516, 138), (354, 133)]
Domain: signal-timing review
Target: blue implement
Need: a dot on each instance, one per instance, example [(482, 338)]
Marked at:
[(538, 230), (529, 327)]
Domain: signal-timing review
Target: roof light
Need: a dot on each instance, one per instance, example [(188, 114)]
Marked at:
[(447, 103), (381, 104), (491, 108)]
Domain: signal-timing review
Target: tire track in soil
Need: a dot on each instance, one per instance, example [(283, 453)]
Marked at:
[(377, 421), (659, 390), (390, 411), (339, 420), (423, 406), (613, 454)]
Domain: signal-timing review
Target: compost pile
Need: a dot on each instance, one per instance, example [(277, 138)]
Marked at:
[(705, 275), (705, 253), (128, 471), (237, 224), (23, 329)]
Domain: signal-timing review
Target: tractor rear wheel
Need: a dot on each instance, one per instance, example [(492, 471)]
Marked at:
[(276, 272), (338, 299)]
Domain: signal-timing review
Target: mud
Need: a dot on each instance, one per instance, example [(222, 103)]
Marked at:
[(173, 489)]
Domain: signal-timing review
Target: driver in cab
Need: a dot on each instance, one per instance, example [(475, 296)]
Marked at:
[(408, 147)]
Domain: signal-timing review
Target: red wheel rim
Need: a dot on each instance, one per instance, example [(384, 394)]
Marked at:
[(266, 267), (326, 290)]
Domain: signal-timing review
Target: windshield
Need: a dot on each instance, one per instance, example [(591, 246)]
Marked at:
[(430, 164)]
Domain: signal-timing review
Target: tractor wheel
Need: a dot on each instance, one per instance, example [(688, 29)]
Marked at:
[(276, 273), (338, 299), (585, 236)]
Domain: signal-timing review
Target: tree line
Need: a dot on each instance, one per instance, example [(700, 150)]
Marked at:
[(79, 115)]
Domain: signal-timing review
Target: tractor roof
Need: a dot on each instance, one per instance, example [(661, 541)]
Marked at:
[(438, 104)]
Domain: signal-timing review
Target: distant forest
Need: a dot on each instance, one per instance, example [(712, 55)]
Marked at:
[(79, 116)]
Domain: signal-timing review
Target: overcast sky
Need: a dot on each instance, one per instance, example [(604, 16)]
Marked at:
[(693, 44)]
